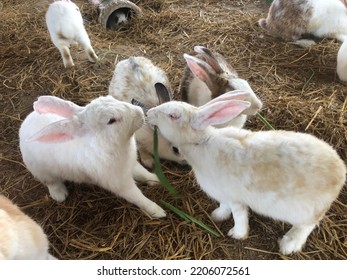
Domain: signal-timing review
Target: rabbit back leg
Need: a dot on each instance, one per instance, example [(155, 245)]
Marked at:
[(84, 41), (63, 45), (295, 238), (241, 226), (141, 174), (132, 194)]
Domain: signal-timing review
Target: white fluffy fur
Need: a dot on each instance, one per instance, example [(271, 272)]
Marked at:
[(134, 78), (21, 238), (341, 67), (205, 72), (288, 176), (93, 144), (329, 19), (65, 25)]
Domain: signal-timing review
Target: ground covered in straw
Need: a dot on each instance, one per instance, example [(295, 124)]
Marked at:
[(299, 88)]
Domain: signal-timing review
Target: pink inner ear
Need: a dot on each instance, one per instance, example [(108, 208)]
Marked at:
[(54, 105), (64, 112), (58, 137), (197, 70)]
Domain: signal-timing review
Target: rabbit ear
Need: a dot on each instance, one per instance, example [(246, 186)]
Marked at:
[(218, 113), (210, 58), (51, 104), (162, 93), (60, 131), (231, 95), (200, 69)]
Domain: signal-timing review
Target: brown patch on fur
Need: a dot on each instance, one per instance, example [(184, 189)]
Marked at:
[(286, 20), (61, 36), (91, 55)]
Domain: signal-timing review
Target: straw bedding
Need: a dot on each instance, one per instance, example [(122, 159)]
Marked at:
[(299, 88)]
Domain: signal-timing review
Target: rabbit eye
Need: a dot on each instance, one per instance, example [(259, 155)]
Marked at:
[(176, 150), (112, 120), (174, 116)]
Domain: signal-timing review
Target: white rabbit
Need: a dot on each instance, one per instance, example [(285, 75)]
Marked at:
[(288, 176), (209, 75), (341, 67), (21, 238), (61, 141), (138, 78), (65, 25), (291, 19)]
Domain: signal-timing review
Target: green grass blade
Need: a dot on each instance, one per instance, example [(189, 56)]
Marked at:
[(157, 168), (187, 218), (265, 121), (178, 212)]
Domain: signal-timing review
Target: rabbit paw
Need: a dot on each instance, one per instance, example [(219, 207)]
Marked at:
[(221, 213), (154, 181), (238, 233), (58, 192), (290, 245), (156, 212)]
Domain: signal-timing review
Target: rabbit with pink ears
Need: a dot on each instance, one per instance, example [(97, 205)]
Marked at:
[(21, 238), (288, 176), (291, 19), (208, 75), (61, 141), (65, 25)]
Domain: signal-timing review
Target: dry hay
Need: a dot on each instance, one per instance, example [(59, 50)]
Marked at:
[(299, 88)]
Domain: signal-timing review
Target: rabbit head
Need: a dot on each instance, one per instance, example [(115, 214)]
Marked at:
[(104, 116), (218, 76), (138, 78), (184, 123)]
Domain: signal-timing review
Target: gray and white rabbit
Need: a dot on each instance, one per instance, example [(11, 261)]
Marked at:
[(21, 238), (208, 75), (138, 78), (288, 176), (291, 19), (65, 25), (61, 141)]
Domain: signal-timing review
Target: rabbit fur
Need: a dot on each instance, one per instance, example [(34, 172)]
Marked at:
[(61, 141), (288, 176), (21, 238), (341, 67), (208, 75), (138, 78), (65, 25), (291, 19)]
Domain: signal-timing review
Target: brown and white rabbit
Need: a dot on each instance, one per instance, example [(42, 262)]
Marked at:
[(21, 238), (209, 75), (61, 141), (65, 25), (291, 19), (288, 176), (138, 78)]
